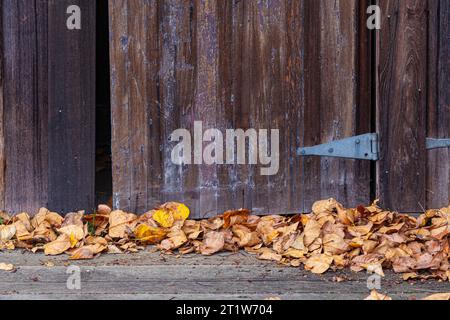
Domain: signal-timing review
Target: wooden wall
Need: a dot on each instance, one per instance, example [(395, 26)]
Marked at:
[(308, 68), (299, 66), (47, 103), (413, 67)]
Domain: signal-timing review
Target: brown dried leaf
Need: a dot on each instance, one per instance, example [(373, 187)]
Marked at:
[(233, 217), (213, 242), (83, 253), (268, 254), (7, 232), (312, 231), (245, 237), (374, 295), (60, 245), (120, 222), (6, 266), (438, 296), (318, 263)]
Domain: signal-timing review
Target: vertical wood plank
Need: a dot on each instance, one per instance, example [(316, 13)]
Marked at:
[(239, 65), (290, 184), (25, 106), (438, 174), (121, 165), (71, 103), (178, 71), (337, 102), (206, 106), (2, 123), (49, 107), (138, 102), (401, 109)]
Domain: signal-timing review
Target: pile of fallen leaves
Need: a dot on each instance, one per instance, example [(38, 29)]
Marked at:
[(330, 238)]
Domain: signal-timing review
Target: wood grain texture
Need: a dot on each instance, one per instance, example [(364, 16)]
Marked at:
[(402, 103), (438, 174), (193, 277), (26, 184), (236, 65), (2, 122), (49, 107), (337, 98), (71, 107)]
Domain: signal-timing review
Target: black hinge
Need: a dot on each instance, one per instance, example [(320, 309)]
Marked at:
[(363, 147)]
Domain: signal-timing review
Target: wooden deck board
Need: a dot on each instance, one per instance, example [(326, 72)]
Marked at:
[(148, 275)]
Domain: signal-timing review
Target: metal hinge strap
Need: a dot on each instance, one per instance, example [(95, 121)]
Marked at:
[(363, 147), (437, 143)]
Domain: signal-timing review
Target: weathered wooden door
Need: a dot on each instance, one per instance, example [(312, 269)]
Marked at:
[(308, 68), (413, 87), (299, 66), (47, 103)]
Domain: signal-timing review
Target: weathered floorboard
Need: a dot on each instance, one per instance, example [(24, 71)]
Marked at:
[(224, 276)]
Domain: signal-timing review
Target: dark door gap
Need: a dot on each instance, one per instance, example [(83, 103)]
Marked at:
[(103, 165)]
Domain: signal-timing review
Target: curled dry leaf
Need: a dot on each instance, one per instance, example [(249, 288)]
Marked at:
[(6, 266), (60, 245), (325, 206), (438, 296), (362, 238), (269, 254), (82, 253), (120, 222), (212, 243), (7, 232), (176, 238), (170, 212), (23, 227), (318, 263), (112, 249), (374, 295), (245, 237), (312, 231), (150, 234), (266, 229), (74, 232), (104, 209), (233, 217), (192, 229)]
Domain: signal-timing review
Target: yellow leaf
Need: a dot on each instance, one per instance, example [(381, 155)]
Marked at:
[(181, 212), (164, 218), (149, 234), (170, 212)]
